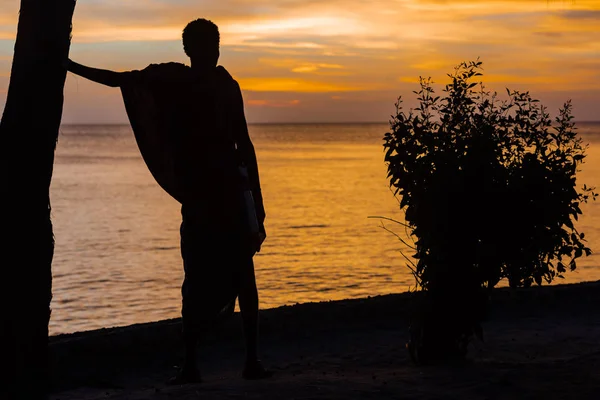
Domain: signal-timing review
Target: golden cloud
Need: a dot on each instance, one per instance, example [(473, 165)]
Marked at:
[(273, 103), (295, 85)]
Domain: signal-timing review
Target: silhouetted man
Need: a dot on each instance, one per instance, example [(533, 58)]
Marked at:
[(190, 127)]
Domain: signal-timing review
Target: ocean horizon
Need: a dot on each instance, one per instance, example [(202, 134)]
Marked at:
[(296, 123)]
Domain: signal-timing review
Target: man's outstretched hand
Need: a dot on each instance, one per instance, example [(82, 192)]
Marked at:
[(102, 76)]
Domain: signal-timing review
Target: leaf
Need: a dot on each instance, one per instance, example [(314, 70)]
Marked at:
[(569, 223), (404, 201)]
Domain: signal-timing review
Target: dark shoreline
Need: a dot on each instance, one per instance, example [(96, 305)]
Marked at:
[(118, 357)]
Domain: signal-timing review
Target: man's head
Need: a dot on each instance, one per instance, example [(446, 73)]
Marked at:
[(201, 42)]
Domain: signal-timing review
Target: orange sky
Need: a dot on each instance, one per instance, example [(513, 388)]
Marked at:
[(334, 60)]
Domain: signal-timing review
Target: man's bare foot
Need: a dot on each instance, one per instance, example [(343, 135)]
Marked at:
[(185, 376), (254, 370)]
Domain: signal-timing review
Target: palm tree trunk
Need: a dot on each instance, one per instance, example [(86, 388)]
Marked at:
[(28, 134)]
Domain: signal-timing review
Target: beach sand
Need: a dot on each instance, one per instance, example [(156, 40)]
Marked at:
[(540, 343)]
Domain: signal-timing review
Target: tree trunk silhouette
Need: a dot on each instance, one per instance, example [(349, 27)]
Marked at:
[(28, 134)]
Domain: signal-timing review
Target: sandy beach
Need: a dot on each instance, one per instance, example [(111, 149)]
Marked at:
[(539, 343)]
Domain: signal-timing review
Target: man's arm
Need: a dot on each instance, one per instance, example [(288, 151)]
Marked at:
[(102, 76), (246, 148), (248, 156)]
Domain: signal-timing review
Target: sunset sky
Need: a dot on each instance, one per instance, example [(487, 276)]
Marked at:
[(333, 60)]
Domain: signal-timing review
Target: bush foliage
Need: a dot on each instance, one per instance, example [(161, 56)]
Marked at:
[(489, 191)]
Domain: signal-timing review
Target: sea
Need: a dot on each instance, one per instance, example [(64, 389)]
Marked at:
[(117, 259)]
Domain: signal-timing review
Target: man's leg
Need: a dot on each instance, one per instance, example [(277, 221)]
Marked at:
[(189, 373), (248, 300)]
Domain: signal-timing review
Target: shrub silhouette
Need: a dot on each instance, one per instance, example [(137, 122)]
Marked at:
[(488, 189)]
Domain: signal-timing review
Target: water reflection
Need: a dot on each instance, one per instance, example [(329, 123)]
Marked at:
[(117, 257)]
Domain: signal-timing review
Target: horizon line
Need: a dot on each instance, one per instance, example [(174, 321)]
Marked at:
[(284, 123), (249, 123)]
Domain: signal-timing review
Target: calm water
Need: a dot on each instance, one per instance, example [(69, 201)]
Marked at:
[(117, 259)]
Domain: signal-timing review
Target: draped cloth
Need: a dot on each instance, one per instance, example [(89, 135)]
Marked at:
[(144, 100), (168, 108), (192, 134)]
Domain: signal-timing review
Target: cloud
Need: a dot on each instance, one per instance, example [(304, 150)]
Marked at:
[(272, 103), (592, 15), (314, 68), (277, 84)]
